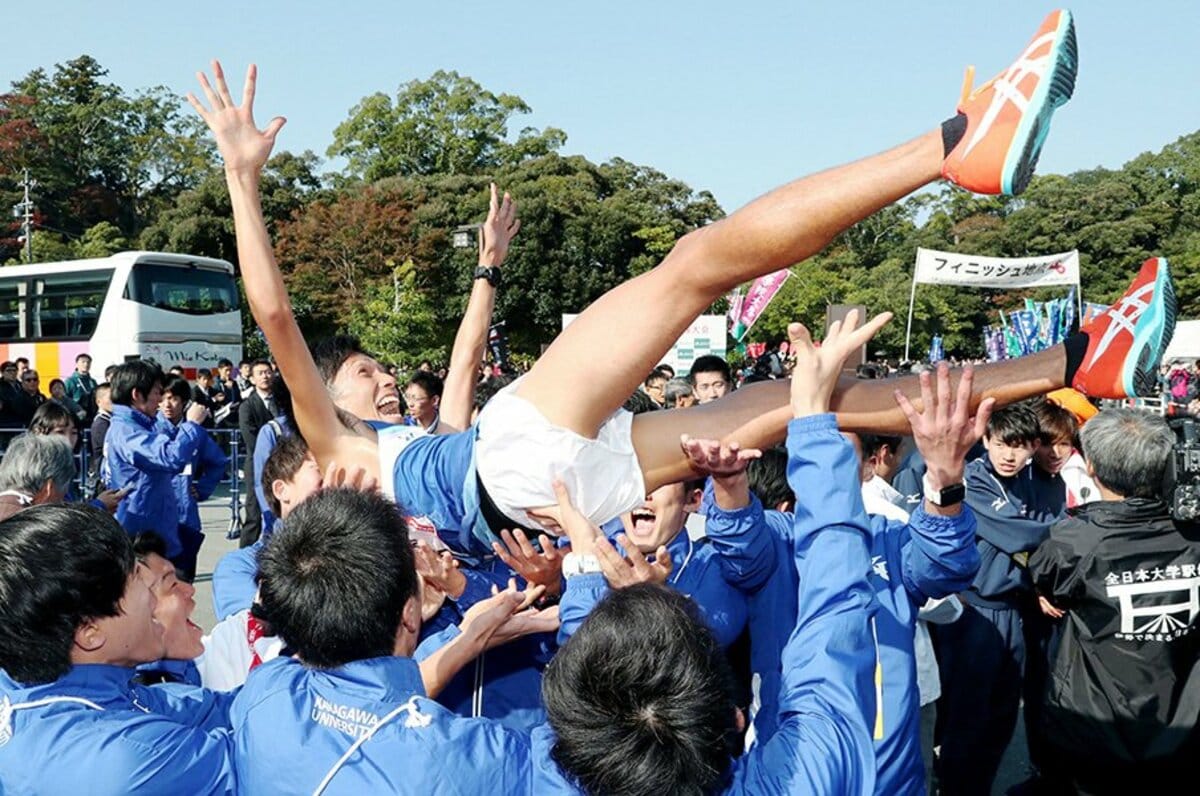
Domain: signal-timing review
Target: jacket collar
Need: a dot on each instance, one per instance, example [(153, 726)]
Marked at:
[(384, 679), (131, 415), (1132, 511)]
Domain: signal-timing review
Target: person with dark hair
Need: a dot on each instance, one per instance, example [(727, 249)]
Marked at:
[(423, 394), (54, 418), (58, 394), (710, 378), (987, 644), (881, 460), (81, 387), (340, 588), (258, 408), (1122, 709), (928, 555), (99, 430), (355, 380), (73, 720), (767, 476), (243, 382), (10, 388), (289, 475), (143, 457), (198, 479), (29, 397), (653, 387), (174, 602)]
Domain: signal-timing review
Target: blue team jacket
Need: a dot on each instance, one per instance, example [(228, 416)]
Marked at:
[(93, 731), (207, 469), (1014, 515), (929, 557), (139, 454), (292, 724)]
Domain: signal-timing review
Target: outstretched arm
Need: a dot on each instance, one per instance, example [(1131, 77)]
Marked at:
[(245, 150), (458, 393)]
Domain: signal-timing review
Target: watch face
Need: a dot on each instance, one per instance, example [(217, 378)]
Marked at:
[(953, 494)]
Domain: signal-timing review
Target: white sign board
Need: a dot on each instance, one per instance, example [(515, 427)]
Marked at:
[(949, 268), (706, 335)]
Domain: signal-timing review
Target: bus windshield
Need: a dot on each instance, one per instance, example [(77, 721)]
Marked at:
[(189, 290)]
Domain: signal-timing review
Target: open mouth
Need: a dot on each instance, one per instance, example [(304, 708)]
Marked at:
[(389, 405), (641, 521)]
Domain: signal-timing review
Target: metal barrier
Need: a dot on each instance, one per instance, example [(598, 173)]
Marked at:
[(229, 440)]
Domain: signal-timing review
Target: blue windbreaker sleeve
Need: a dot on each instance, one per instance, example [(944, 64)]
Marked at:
[(479, 586), (747, 556), (264, 443), (158, 451), (579, 597), (189, 705), (823, 744), (152, 759), (938, 554), (233, 581), (212, 463), (998, 519)]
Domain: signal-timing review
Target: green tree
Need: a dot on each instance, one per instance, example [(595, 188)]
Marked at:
[(448, 124)]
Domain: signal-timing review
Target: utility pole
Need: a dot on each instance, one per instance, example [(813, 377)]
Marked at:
[(24, 211)]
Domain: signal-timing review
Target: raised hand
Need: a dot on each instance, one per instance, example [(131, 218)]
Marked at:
[(710, 457), (543, 568), (817, 369), (498, 230), (944, 429), (581, 532), (439, 569), (634, 568), (243, 147), (506, 615)]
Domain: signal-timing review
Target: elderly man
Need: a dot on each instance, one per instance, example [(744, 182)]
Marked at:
[(37, 468), (1123, 700)]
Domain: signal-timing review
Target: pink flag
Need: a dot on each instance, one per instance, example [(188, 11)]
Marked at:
[(759, 296)]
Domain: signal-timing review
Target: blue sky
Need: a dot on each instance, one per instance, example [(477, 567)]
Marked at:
[(730, 97)]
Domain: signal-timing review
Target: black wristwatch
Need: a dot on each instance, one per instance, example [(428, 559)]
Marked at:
[(491, 274), (946, 496)]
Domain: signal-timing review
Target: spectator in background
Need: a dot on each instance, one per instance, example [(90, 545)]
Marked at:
[(100, 425), (58, 394), (243, 381), (144, 457), (10, 396), (653, 387), (52, 419), (36, 469), (198, 479), (176, 370), (30, 397), (22, 366), (1121, 712), (81, 387), (257, 409), (423, 394), (678, 394), (666, 370), (710, 378)]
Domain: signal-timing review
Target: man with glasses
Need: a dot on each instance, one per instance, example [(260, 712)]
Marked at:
[(29, 398)]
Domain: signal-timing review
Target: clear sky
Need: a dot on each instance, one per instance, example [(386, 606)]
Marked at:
[(733, 97)]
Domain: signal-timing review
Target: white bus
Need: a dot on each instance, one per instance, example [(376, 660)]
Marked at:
[(173, 308)]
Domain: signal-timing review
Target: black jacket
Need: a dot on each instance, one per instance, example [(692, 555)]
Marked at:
[(1125, 680), (252, 416)]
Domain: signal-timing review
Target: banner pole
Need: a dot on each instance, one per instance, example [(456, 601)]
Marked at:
[(912, 297)]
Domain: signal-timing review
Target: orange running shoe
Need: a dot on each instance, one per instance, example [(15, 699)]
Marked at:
[(1008, 117), (1126, 343)]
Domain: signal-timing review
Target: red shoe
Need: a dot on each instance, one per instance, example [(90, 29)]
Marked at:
[(1127, 342), (1008, 117)]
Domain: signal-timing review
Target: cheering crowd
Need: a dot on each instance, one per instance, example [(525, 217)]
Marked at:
[(590, 580)]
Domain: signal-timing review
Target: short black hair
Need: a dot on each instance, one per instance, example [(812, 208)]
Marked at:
[(221, 363), (60, 565), (179, 387), (88, 357), (334, 584), (871, 443), (639, 403), (330, 353), (205, 372), (710, 363), (768, 478), (285, 461), (655, 375), (104, 385), (50, 417), (261, 361), (148, 543), (427, 381), (641, 699), (1015, 424), (137, 374)]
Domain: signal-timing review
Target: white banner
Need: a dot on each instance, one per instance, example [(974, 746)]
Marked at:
[(948, 268)]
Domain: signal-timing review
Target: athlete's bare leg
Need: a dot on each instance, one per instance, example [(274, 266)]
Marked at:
[(757, 415), (623, 335)]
